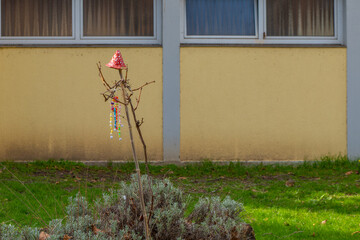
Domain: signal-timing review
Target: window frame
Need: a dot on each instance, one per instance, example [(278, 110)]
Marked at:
[(77, 32), (261, 34)]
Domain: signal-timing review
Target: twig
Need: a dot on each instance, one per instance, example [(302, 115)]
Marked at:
[(138, 100), (109, 89), (152, 208), (147, 83), (111, 94), (136, 89), (107, 86), (138, 124)]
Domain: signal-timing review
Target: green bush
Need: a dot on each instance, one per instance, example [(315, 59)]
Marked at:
[(118, 215)]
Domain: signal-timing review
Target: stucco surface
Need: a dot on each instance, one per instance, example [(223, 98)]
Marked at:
[(248, 103), (51, 107)]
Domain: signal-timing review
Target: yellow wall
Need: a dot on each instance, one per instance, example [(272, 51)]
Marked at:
[(237, 103), (50, 106), (262, 103)]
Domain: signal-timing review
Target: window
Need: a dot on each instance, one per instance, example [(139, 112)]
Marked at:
[(36, 18), (118, 17), (80, 21), (217, 17), (300, 18), (262, 21)]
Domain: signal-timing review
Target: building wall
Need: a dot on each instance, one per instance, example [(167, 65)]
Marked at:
[(237, 103), (244, 103), (51, 107)]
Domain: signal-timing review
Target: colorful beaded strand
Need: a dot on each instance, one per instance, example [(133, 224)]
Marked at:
[(111, 128), (115, 116), (115, 122), (119, 123)]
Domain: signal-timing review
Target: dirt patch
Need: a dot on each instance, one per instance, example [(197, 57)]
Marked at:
[(93, 176)]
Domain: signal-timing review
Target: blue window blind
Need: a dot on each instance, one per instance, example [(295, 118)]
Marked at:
[(220, 17)]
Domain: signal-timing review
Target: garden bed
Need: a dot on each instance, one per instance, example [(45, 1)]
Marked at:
[(308, 201)]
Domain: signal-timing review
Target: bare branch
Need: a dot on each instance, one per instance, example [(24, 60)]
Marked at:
[(137, 89), (147, 83), (126, 74), (107, 86), (141, 192), (138, 100), (112, 96), (124, 86), (107, 96), (151, 209)]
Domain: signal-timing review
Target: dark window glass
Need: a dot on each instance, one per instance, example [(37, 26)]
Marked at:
[(220, 17)]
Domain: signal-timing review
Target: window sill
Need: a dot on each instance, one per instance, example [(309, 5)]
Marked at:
[(78, 45), (265, 45)]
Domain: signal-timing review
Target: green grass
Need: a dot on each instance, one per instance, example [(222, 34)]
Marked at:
[(323, 203)]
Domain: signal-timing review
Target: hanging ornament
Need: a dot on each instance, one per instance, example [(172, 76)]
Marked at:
[(117, 61), (115, 117), (119, 123), (110, 122)]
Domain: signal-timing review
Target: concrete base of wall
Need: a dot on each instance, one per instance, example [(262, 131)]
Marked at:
[(184, 163)]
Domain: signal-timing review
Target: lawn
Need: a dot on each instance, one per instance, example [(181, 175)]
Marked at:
[(310, 201)]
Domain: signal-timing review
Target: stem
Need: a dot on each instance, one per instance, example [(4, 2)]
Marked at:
[(140, 135), (141, 192), (145, 154)]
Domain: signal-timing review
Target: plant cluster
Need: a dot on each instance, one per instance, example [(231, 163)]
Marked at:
[(118, 215)]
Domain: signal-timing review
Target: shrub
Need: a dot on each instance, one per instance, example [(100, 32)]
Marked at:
[(118, 215), (14, 233), (214, 219)]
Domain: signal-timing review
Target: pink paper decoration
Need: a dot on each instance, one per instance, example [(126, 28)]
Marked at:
[(117, 61)]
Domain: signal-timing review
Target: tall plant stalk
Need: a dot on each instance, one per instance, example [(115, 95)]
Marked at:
[(141, 192), (127, 93)]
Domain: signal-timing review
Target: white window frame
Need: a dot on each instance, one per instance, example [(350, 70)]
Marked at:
[(261, 35), (77, 32)]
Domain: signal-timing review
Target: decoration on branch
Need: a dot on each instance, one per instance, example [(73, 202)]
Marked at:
[(123, 85), (115, 110), (117, 61)]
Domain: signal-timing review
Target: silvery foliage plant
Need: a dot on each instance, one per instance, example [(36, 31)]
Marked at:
[(117, 215)]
